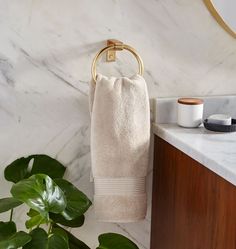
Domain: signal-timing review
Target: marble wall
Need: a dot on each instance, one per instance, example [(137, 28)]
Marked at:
[(46, 49)]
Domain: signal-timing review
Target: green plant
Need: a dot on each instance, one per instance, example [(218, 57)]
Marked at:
[(53, 203)]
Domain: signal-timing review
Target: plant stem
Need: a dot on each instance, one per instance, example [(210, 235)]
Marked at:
[(11, 215), (50, 228)]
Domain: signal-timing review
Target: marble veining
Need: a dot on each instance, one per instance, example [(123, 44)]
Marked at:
[(46, 50)]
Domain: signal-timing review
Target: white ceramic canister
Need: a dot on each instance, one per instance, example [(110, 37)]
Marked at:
[(190, 112)]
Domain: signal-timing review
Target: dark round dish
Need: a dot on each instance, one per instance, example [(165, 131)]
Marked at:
[(220, 128)]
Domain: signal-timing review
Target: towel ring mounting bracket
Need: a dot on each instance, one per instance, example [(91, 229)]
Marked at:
[(114, 45)]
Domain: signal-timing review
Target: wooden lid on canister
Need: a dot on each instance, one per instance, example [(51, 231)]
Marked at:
[(190, 101)]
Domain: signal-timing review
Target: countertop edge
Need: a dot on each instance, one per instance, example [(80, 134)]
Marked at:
[(197, 155)]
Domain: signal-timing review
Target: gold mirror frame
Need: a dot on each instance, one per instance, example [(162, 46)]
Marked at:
[(218, 17)]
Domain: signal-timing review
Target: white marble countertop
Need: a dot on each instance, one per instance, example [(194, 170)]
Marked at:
[(216, 151)]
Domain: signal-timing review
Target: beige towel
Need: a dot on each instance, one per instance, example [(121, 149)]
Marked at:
[(120, 135)]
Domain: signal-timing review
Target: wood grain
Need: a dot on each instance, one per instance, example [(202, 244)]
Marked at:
[(193, 208)]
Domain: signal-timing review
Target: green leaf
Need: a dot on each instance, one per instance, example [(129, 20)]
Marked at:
[(35, 221), (8, 203), (17, 170), (39, 239), (58, 239), (58, 218), (40, 193), (74, 243), (44, 164), (20, 169), (17, 240), (32, 213), (77, 202), (7, 229), (115, 241)]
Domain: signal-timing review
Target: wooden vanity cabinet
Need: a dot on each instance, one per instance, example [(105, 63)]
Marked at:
[(192, 207)]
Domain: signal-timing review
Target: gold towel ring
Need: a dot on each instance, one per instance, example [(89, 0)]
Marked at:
[(116, 47)]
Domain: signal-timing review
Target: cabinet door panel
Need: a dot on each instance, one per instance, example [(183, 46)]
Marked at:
[(193, 208)]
